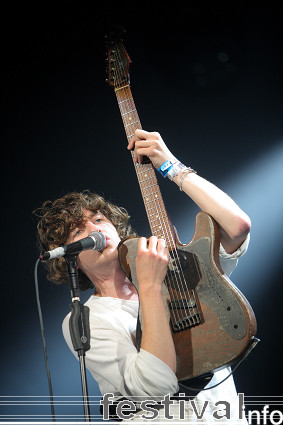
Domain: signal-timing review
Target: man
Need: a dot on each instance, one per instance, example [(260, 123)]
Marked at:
[(113, 359)]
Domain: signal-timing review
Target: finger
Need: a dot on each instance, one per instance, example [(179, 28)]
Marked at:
[(142, 244), (161, 245), (166, 254), (144, 148), (133, 141), (162, 249), (131, 147), (147, 151), (141, 134), (137, 157), (131, 144), (152, 244)]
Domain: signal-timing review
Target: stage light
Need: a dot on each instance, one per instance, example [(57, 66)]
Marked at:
[(257, 189)]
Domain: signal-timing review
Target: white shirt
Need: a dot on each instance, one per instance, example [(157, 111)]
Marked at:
[(120, 369)]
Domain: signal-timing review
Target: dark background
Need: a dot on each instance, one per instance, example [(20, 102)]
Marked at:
[(207, 76)]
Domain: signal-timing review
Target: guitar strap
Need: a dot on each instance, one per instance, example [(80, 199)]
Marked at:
[(138, 333)]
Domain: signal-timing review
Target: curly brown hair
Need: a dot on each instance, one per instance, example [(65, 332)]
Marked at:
[(58, 218)]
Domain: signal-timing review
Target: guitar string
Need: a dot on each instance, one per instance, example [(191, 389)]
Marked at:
[(155, 207), (132, 109), (128, 124), (159, 211), (129, 105), (127, 108), (195, 305), (126, 104)]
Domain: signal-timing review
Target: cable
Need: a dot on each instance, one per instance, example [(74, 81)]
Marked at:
[(213, 386), (254, 343), (43, 341)]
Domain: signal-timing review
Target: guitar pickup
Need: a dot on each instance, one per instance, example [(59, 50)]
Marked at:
[(182, 304)]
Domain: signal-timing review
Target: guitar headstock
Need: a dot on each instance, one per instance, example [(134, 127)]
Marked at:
[(117, 61)]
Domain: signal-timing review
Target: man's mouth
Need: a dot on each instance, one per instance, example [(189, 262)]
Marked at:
[(107, 241)]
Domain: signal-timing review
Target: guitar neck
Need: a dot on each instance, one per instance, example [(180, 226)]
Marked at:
[(157, 216)]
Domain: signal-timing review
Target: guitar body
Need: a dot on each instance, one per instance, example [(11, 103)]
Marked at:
[(212, 323)]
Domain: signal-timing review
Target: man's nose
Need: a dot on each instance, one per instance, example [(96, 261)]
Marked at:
[(92, 226)]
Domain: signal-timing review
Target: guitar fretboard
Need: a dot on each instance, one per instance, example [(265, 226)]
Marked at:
[(153, 201)]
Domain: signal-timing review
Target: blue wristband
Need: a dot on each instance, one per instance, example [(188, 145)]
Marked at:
[(164, 168)]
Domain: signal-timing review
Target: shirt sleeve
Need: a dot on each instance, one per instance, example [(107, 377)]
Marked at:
[(115, 363), (229, 261)]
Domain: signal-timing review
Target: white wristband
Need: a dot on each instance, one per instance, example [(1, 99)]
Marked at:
[(175, 170)]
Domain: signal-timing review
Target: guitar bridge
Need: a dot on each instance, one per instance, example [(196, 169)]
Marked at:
[(184, 313), (186, 322)]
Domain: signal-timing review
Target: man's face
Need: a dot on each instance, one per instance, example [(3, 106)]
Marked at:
[(95, 221)]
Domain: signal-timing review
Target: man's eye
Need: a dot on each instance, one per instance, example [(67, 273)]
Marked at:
[(98, 220), (78, 232)]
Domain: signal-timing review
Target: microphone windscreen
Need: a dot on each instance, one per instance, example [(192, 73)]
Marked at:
[(100, 240)]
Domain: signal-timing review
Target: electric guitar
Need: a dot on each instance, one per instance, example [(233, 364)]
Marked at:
[(212, 323)]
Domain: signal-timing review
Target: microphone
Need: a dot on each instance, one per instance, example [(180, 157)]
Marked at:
[(95, 241)]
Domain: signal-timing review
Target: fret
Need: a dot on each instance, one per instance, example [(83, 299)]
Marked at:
[(156, 198), (151, 181), (156, 201), (159, 232), (126, 100), (161, 222), (129, 112), (152, 221), (127, 122), (154, 211), (127, 106), (131, 124), (149, 199), (157, 224), (147, 169), (152, 196), (155, 214), (145, 173), (147, 179), (156, 193), (162, 232), (149, 210)]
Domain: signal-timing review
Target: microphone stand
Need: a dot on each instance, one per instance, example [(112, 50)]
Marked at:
[(79, 326)]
